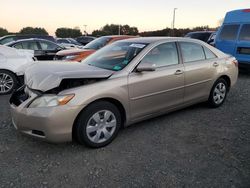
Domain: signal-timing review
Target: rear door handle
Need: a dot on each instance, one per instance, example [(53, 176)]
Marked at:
[(216, 64), (178, 72)]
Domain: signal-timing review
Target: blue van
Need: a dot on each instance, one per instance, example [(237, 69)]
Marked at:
[(234, 36)]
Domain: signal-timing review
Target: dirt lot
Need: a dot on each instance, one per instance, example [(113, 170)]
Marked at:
[(195, 147)]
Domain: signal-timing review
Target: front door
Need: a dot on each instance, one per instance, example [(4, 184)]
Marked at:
[(155, 91)]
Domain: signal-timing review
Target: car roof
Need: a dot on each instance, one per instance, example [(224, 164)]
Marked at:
[(31, 39), (151, 40)]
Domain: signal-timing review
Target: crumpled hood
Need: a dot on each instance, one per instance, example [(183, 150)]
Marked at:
[(47, 75)]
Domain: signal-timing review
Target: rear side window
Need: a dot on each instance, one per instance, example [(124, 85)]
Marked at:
[(229, 32), (192, 52), (245, 32), (30, 45), (209, 54)]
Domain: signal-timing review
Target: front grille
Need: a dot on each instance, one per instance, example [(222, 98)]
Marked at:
[(19, 96)]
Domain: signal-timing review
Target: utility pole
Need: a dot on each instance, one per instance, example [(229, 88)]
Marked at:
[(119, 31), (85, 29), (174, 20)]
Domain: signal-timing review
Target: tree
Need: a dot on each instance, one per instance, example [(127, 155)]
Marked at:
[(176, 32), (113, 29), (68, 33), (33, 30), (3, 32)]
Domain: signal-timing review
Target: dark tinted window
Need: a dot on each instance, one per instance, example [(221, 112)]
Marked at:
[(245, 32), (162, 55), (191, 52), (209, 54), (229, 32)]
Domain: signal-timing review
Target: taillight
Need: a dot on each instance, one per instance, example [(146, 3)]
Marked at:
[(235, 62)]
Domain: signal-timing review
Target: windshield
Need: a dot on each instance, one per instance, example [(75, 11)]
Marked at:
[(97, 43), (116, 56)]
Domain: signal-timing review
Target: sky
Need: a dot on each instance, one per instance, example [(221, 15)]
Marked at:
[(146, 15)]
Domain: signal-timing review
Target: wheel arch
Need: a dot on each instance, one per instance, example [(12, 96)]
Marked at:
[(8, 71), (227, 79), (116, 102)]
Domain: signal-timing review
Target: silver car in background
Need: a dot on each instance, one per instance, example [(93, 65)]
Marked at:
[(123, 83)]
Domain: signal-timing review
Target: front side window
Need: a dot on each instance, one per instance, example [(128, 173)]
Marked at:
[(18, 46), (48, 45), (245, 32), (229, 32), (115, 56), (192, 52), (163, 55)]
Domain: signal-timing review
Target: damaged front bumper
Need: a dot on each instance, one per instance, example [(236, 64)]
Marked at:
[(52, 124)]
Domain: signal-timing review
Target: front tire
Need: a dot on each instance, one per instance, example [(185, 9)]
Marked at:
[(8, 82), (98, 124), (218, 93)]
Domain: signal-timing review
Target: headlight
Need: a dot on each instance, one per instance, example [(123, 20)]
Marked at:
[(70, 57), (51, 100)]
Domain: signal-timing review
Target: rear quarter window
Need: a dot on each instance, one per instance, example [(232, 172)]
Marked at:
[(209, 54), (245, 32), (229, 32)]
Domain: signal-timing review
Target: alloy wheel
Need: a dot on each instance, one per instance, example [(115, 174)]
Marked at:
[(101, 126), (219, 93), (6, 83)]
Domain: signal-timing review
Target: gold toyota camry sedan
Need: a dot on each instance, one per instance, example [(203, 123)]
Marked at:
[(123, 83)]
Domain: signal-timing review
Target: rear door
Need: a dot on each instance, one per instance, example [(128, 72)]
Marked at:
[(152, 92), (226, 40), (243, 45), (201, 66)]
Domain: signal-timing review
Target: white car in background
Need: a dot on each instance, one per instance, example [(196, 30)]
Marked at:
[(12, 66), (69, 43)]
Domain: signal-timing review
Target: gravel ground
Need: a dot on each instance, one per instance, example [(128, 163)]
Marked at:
[(194, 147)]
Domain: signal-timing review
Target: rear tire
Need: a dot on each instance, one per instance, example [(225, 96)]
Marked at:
[(8, 82), (98, 124), (218, 93)]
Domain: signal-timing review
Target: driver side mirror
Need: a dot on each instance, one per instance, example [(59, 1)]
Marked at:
[(145, 67)]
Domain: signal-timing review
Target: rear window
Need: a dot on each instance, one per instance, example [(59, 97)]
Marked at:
[(229, 32), (245, 32)]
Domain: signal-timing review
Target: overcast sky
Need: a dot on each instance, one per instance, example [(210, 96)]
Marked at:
[(144, 14)]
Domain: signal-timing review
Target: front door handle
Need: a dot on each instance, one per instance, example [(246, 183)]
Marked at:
[(216, 64), (178, 72)]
